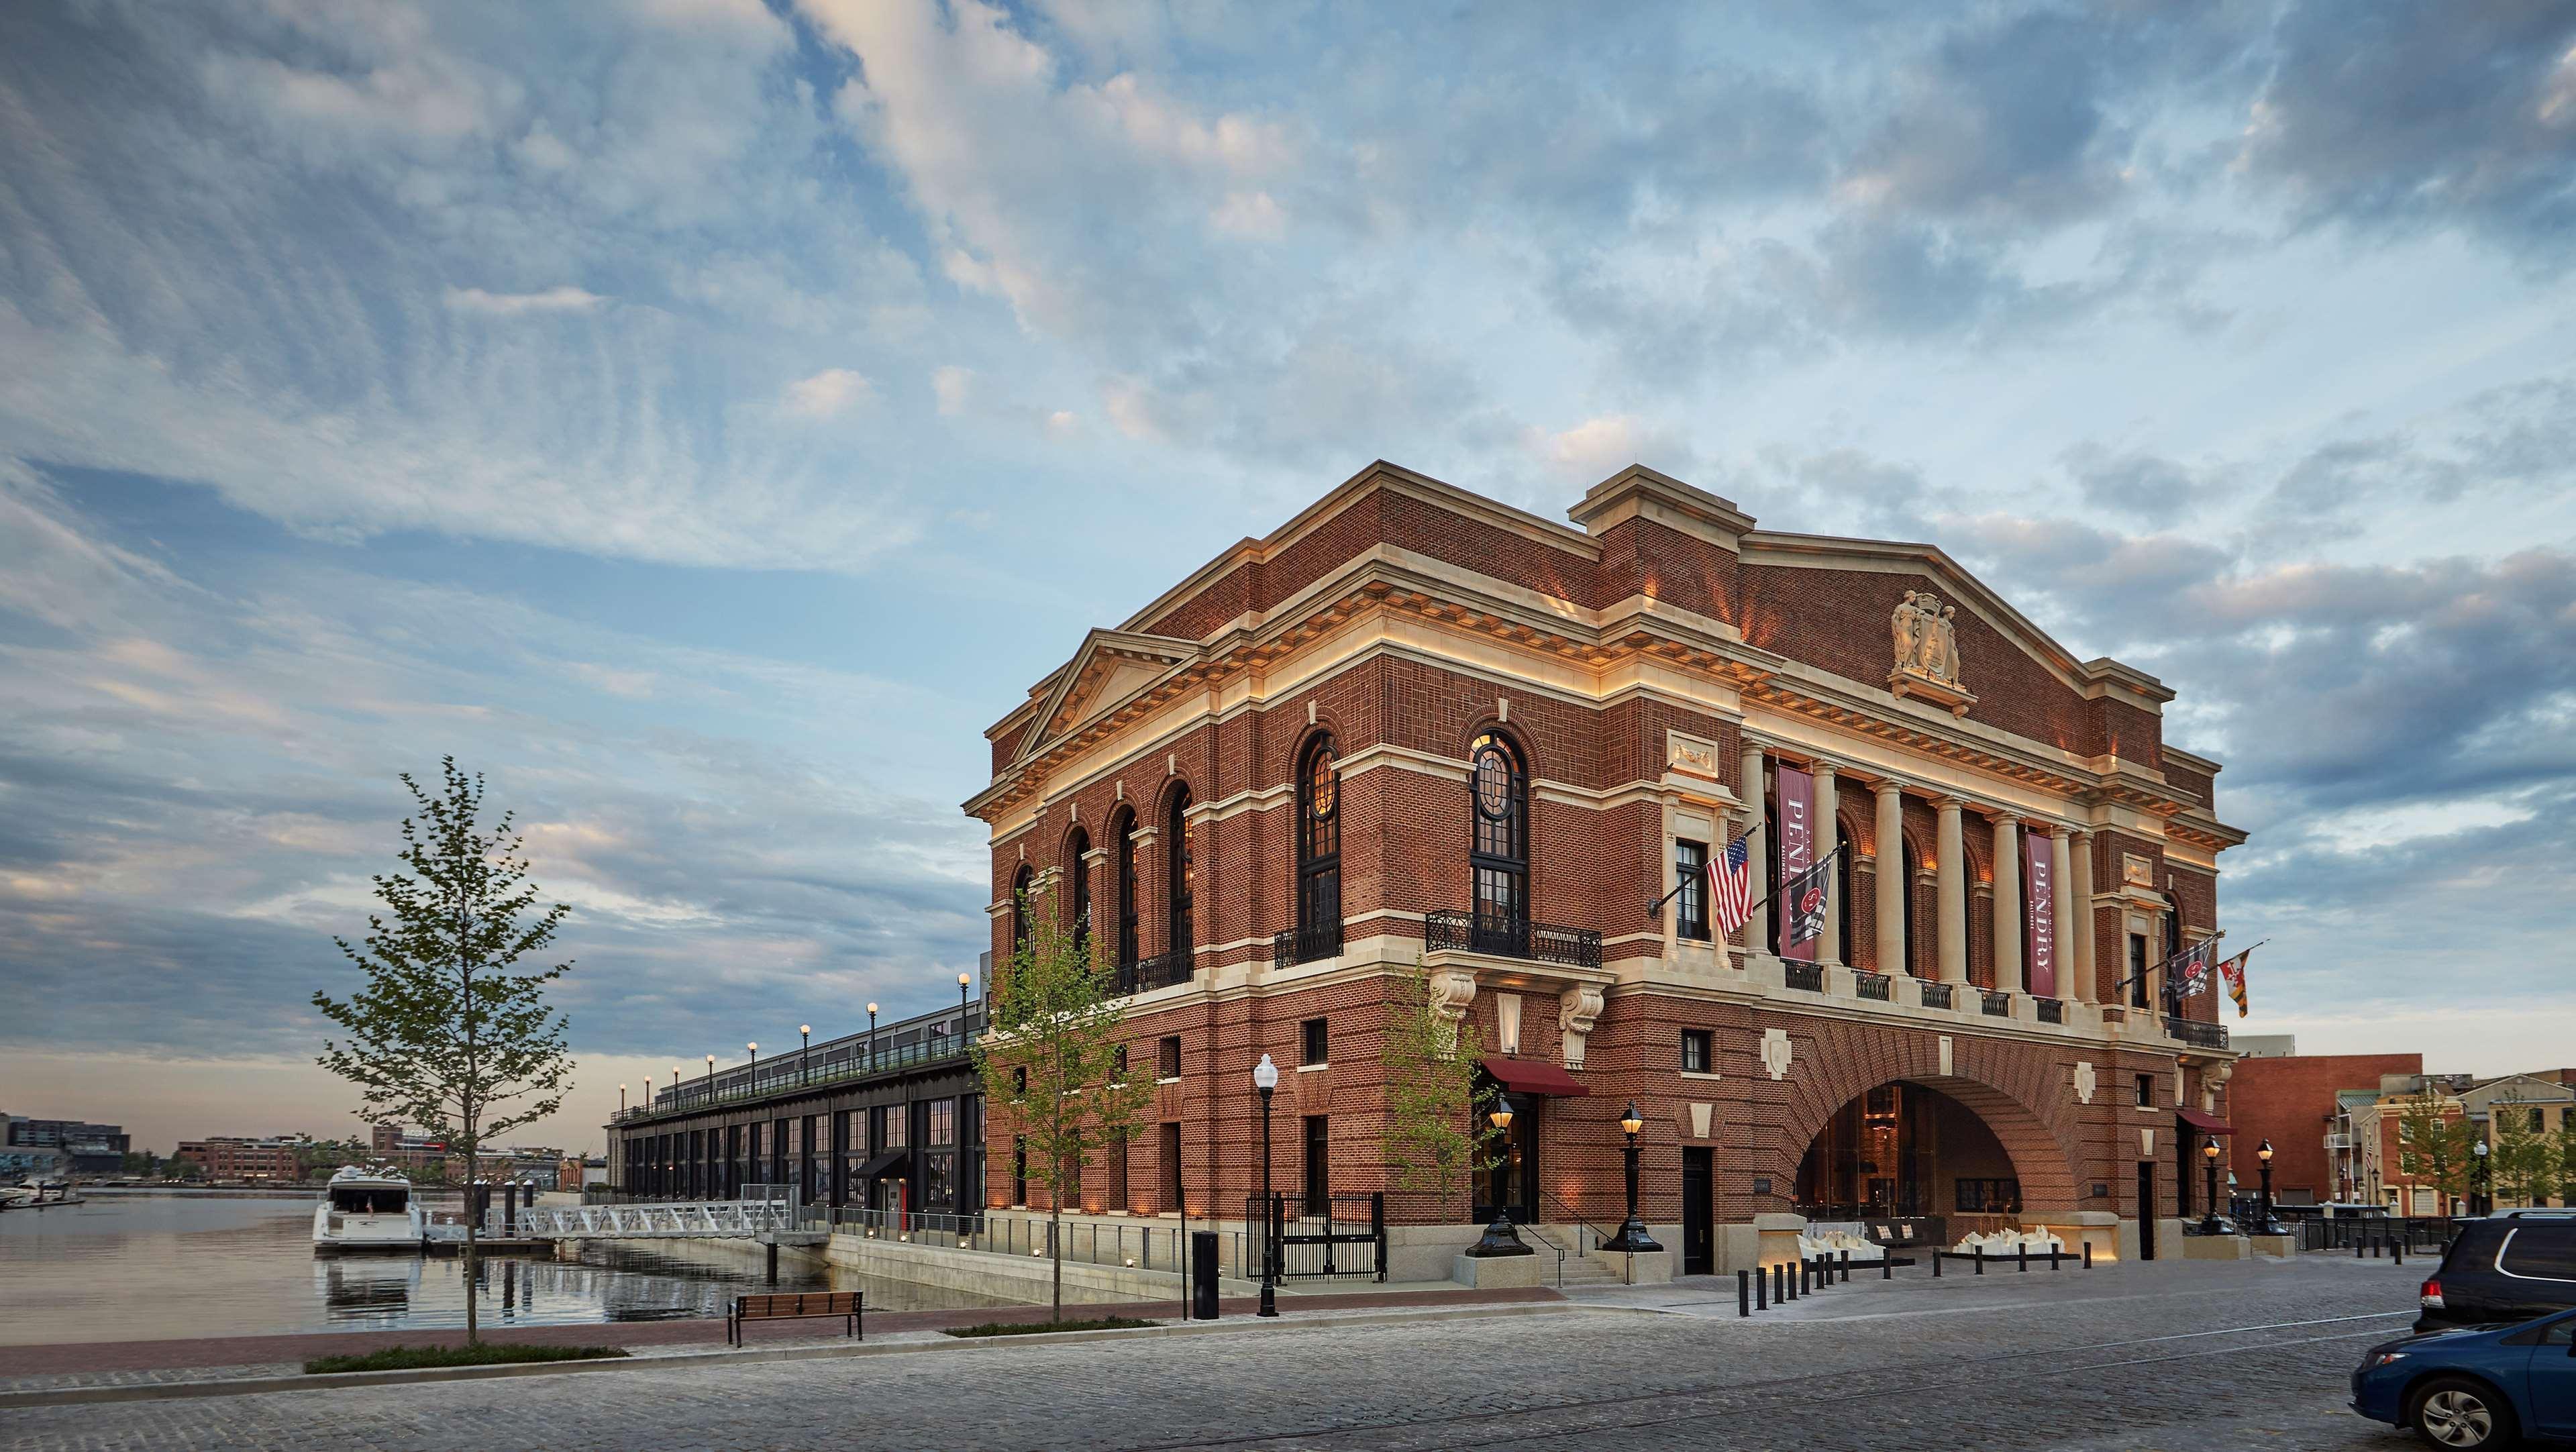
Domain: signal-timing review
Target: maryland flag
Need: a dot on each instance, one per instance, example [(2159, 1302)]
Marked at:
[(2232, 973)]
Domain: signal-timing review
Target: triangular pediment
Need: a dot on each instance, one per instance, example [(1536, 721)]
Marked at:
[(1112, 668)]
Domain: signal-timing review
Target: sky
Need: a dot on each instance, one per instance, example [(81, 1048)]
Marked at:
[(704, 417)]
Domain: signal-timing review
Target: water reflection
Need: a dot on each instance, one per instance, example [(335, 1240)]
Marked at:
[(106, 1271)]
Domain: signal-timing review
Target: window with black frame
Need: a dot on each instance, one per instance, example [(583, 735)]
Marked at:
[(1180, 935), (1690, 898), (1319, 849), (1498, 848), (1122, 838), (1077, 851), (1021, 882)]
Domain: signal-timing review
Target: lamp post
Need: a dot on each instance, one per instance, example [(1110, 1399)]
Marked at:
[(621, 1101), (804, 1031), (2210, 1223), (1499, 1238), (711, 1078), (1632, 1237), (965, 985), (2263, 1162), (872, 1038), (1265, 1078), (2481, 1203)]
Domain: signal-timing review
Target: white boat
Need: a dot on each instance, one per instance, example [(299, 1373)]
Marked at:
[(39, 1195), (367, 1209)]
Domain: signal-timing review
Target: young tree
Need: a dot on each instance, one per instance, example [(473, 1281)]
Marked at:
[(2433, 1146), (448, 1033), (1052, 1060), (1436, 1134), (2524, 1162)]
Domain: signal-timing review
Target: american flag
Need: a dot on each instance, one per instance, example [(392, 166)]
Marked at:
[(1730, 888)]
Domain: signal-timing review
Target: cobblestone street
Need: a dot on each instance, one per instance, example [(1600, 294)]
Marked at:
[(2174, 1357)]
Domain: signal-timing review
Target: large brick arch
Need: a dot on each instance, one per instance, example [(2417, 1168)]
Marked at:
[(2018, 1089)]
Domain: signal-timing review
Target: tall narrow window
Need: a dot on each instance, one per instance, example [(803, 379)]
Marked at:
[(1319, 848), (1841, 872), (1498, 854), (1078, 848), (1912, 864), (1122, 847), (2137, 970), (1690, 896), (1021, 882), (2173, 944), (1180, 934)]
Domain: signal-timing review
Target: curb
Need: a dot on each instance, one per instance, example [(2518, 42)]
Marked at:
[(333, 1381)]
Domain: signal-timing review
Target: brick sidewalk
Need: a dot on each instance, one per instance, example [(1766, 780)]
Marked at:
[(108, 1358)]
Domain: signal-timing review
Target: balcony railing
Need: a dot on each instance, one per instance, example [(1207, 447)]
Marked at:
[(2338, 1140), (1998, 1005), (2199, 1035), (1806, 977), (1511, 938), (1161, 971), (1305, 945), (1935, 995), (1866, 984), (2051, 1010)]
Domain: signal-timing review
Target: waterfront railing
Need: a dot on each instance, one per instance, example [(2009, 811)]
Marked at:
[(1142, 1246)]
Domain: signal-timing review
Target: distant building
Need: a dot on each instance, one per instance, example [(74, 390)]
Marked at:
[(275, 1159), (2289, 1100), (2265, 1046), (429, 1155), (26, 1162), (87, 1149), (2332, 1121)]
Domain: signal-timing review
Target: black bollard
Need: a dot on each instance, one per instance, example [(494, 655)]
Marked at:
[(2088, 1255), (1743, 1294), (1981, 1258), (2397, 1250), (1886, 1267), (773, 1265), (2022, 1253), (1761, 1289), (1936, 1263)]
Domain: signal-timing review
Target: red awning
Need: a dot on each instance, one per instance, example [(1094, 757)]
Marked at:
[(2205, 1122), (1535, 1076)]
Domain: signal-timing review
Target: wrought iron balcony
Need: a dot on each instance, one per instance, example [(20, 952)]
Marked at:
[(1806, 977), (1160, 971), (1305, 945), (2051, 1010), (1935, 995), (1998, 1005), (2199, 1035), (1866, 984), (1511, 938)]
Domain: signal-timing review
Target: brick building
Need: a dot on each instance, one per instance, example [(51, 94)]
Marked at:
[(275, 1158), (1416, 724), (2291, 1102)]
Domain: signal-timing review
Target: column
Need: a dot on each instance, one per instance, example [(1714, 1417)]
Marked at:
[(2079, 886), (2007, 914), (1951, 893), (1828, 835), (2070, 984), (1757, 928), (1892, 885)]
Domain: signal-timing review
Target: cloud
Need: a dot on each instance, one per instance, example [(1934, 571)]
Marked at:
[(952, 386), (832, 391), (510, 304)]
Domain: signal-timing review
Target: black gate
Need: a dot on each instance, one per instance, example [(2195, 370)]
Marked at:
[(1340, 1235)]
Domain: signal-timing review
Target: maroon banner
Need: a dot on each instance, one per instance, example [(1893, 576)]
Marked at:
[(2039, 925), (1794, 797)]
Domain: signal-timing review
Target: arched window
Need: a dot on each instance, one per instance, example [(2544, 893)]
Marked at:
[(1841, 874), (1498, 848), (1319, 845), (1179, 935), (1122, 848), (1021, 882), (1078, 848)]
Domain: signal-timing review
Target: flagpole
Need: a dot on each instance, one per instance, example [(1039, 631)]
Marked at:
[(1657, 905)]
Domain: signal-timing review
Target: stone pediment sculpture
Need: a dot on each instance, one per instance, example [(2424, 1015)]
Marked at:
[(1925, 635)]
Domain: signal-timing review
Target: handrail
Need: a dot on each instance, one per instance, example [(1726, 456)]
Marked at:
[(1540, 1236), (1598, 1237)]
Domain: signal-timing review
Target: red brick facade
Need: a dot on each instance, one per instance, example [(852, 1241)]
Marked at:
[(1630, 667), (2290, 1101)]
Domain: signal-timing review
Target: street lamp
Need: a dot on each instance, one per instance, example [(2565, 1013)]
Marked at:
[(1499, 1237), (2482, 1203), (2263, 1162), (675, 1078), (965, 984), (621, 1101), (1632, 1237), (751, 1076), (804, 1031), (711, 1078), (872, 1038), (2210, 1223), (1265, 1078)]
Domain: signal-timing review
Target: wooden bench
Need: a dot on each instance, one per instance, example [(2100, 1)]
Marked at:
[(797, 1306)]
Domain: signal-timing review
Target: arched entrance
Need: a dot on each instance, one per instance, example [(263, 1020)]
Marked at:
[(1944, 1158)]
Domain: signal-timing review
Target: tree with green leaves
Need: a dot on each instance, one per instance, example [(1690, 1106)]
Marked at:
[(2523, 1161), (1436, 1135), (2433, 1146), (1053, 1060), (448, 1033)]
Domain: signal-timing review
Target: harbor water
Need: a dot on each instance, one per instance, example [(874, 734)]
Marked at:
[(137, 1266)]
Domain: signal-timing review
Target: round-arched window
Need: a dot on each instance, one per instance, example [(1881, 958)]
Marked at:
[(1498, 849), (1319, 842)]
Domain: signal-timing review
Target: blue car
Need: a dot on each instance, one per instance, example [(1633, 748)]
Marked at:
[(2475, 1386)]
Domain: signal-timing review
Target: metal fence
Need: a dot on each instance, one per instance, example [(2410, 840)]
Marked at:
[(1340, 1235), (1149, 1246), (2427, 1233)]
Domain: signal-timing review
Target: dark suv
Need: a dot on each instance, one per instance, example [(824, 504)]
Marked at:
[(2508, 1267)]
